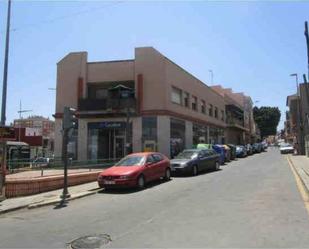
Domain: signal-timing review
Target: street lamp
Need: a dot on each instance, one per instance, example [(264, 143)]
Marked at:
[(20, 112)]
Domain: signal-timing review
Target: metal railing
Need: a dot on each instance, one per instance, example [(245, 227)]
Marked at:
[(17, 166)]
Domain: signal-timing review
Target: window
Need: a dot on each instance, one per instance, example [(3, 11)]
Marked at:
[(176, 95), (157, 157), (203, 107), (222, 115), (186, 99), (150, 159), (216, 112), (194, 103), (210, 110)]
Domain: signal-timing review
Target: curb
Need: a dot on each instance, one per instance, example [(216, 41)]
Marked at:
[(299, 175), (58, 200), (48, 202)]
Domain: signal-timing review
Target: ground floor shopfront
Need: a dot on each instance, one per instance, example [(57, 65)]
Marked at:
[(112, 138)]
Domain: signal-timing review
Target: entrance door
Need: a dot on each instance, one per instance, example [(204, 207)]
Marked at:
[(118, 147)]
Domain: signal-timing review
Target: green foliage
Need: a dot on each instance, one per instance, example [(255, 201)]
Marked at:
[(267, 119)]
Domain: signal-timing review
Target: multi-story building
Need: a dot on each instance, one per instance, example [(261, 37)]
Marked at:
[(240, 125), (146, 103), (38, 132)]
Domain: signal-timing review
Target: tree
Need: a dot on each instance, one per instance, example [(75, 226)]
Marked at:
[(267, 119)]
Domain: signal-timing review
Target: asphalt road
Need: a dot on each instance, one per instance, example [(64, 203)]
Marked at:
[(251, 202)]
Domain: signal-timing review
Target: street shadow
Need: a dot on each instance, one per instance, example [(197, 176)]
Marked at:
[(204, 172), (62, 204), (131, 190)]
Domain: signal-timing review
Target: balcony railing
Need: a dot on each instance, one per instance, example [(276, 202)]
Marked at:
[(235, 122), (107, 105)]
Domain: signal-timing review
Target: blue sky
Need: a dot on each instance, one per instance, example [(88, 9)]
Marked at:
[(251, 47)]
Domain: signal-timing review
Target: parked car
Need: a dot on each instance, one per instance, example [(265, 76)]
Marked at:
[(136, 170), (249, 149), (221, 151), (41, 162), (233, 151), (257, 148), (286, 148), (264, 146), (227, 153), (195, 160), (241, 151)]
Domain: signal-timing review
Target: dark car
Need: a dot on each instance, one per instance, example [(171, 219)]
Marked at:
[(249, 149), (257, 148), (241, 151), (233, 151), (195, 160)]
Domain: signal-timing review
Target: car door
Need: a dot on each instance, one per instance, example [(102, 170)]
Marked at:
[(202, 160), (212, 158), (160, 165), (150, 170)]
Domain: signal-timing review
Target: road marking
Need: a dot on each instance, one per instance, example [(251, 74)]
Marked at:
[(300, 185)]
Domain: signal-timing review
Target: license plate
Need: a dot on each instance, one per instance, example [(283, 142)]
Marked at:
[(173, 169), (109, 182)]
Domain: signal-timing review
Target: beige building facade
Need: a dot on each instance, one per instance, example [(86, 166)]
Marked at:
[(147, 103)]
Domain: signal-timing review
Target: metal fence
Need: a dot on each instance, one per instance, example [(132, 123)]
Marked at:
[(16, 166)]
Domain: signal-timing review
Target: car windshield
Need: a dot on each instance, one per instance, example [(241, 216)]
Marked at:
[(285, 145), (131, 161), (187, 154)]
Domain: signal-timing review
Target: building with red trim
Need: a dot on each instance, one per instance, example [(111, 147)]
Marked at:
[(146, 103)]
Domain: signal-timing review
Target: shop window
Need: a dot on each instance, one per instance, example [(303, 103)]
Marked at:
[(177, 141), (216, 112), (199, 134), (203, 107), (176, 95), (210, 110), (186, 99), (149, 133), (194, 103)]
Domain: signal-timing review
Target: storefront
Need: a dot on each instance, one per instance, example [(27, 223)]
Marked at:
[(200, 134), (177, 140), (107, 140)]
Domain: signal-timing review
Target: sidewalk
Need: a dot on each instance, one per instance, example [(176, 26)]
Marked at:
[(47, 198), (301, 165)]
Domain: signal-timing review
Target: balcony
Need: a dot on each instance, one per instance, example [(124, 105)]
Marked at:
[(235, 122), (107, 105)]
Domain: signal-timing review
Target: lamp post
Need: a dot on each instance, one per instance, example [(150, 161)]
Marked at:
[(6, 60), (20, 112)]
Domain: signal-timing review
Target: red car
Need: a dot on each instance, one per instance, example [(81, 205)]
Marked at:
[(135, 170)]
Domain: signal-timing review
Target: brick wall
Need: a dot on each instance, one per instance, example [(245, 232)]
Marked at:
[(21, 187)]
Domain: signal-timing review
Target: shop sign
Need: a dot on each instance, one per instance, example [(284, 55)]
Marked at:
[(7, 133), (107, 125)]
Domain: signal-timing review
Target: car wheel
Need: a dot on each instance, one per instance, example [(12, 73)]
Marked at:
[(217, 166), (194, 170), (141, 182), (167, 175)]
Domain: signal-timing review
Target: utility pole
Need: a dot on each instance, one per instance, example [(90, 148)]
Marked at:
[(307, 41), (20, 112), (5, 70)]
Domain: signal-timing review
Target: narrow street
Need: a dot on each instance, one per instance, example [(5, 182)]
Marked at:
[(251, 202)]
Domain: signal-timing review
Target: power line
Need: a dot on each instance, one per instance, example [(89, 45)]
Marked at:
[(60, 18)]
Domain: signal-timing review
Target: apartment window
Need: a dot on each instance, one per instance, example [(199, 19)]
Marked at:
[(194, 103), (222, 115), (210, 110), (186, 99), (216, 112), (176, 95), (203, 107)]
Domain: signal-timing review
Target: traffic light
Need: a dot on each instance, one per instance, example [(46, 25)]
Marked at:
[(69, 118)]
